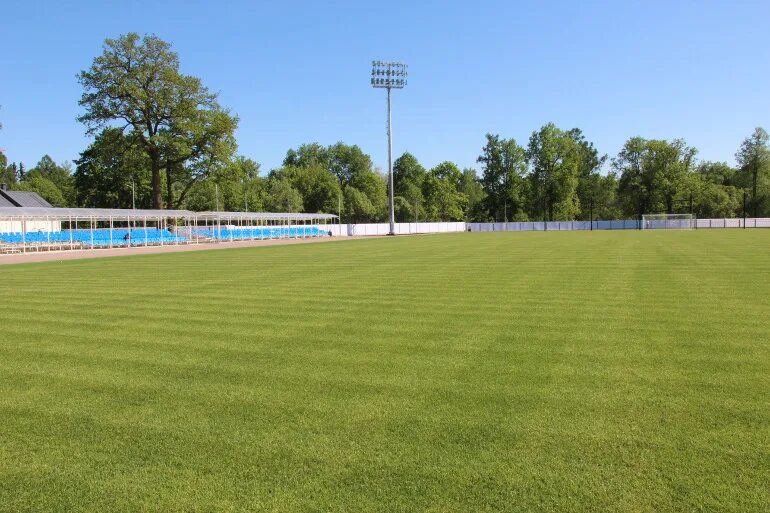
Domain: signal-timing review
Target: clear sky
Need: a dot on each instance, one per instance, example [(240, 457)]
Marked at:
[(297, 72)]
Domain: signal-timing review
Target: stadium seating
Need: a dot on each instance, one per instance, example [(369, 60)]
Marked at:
[(260, 232), (104, 237), (101, 237)]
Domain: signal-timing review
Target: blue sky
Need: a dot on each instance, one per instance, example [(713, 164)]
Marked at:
[(298, 72)]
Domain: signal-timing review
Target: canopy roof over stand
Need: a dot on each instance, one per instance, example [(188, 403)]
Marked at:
[(118, 214), (264, 216), (90, 213)]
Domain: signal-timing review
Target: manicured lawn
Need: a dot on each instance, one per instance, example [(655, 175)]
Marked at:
[(603, 371)]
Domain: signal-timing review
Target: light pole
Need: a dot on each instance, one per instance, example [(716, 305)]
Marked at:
[(389, 75)]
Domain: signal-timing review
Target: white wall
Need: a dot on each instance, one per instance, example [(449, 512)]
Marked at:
[(365, 229)]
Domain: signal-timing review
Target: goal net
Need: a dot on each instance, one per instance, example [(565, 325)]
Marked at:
[(668, 222)]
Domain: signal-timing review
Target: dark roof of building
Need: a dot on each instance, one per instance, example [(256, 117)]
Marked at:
[(22, 199)]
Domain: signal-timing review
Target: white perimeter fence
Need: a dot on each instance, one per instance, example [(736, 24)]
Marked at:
[(620, 224), (350, 230)]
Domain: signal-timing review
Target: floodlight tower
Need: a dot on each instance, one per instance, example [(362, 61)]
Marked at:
[(389, 75)]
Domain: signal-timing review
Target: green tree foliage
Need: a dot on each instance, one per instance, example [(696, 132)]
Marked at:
[(282, 197), (443, 199), (709, 198), (718, 173), (590, 184), (319, 189), (351, 167), (53, 182), (8, 172), (44, 187), (604, 192), (408, 178), (754, 171), (113, 171), (373, 186), (555, 158), (346, 162), (358, 207), (635, 187), (307, 155), (714, 190), (59, 175), (136, 83), (670, 163), (653, 174), (470, 185), (504, 165), (238, 186)]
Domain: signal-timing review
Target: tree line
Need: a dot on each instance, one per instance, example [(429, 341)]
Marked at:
[(161, 140)]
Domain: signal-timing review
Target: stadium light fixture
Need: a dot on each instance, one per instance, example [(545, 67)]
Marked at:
[(389, 75)]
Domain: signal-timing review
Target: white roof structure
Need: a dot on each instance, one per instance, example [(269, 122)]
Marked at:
[(263, 216), (16, 213)]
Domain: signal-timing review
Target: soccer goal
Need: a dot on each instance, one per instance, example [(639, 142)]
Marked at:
[(668, 222)]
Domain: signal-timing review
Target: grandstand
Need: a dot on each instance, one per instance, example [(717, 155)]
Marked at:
[(51, 229)]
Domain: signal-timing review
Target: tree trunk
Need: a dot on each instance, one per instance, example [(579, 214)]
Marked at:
[(157, 199), (169, 191)]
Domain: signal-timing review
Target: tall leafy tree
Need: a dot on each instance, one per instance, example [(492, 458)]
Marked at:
[(709, 195), (7, 171), (654, 175), (604, 190), (754, 170), (59, 175), (235, 186), (636, 186), (136, 85), (113, 172), (504, 164), (589, 180), (555, 159), (282, 197), (470, 185), (319, 189), (670, 163), (352, 168), (408, 178), (44, 187), (312, 154), (443, 199), (358, 207), (717, 172)]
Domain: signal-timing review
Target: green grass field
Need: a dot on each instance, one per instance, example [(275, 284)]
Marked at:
[(602, 371)]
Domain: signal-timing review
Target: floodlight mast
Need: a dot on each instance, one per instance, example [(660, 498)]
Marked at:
[(389, 75)]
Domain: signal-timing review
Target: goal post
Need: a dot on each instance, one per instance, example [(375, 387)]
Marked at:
[(668, 222)]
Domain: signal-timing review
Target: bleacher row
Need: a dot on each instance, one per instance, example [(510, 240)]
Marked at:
[(256, 232), (100, 237), (104, 237)]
